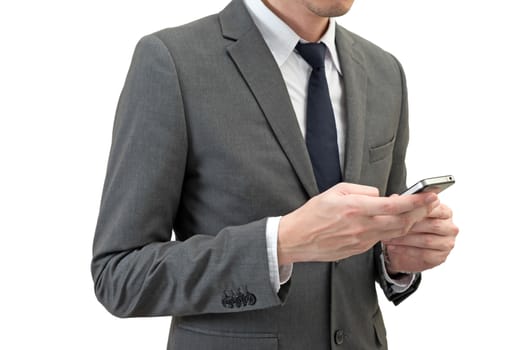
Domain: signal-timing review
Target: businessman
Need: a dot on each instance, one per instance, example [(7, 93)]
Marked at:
[(271, 142)]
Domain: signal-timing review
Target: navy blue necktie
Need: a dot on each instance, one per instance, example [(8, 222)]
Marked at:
[(321, 134)]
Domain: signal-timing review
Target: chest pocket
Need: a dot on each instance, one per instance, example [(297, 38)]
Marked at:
[(380, 152)]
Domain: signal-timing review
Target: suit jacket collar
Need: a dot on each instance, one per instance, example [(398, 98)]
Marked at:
[(355, 87), (262, 75), (235, 20)]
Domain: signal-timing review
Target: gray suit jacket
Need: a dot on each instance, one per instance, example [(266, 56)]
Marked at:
[(206, 144)]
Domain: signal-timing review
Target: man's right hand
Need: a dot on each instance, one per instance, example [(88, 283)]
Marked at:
[(346, 220)]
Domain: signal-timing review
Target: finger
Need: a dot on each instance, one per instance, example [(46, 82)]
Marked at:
[(441, 212), (349, 242), (424, 241), (346, 188), (415, 259), (388, 235), (436, 226), (387, 227), (395, 205), (403, 222)]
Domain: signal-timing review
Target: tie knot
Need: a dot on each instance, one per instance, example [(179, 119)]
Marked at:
[(313, 53)]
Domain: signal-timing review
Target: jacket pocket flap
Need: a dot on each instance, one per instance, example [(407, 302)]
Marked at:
[(382, 151)]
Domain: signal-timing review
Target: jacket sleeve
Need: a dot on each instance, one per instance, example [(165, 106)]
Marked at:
[(397, 184), (137, 269)]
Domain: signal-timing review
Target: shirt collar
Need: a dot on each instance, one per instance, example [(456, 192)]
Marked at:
[(280, 38)]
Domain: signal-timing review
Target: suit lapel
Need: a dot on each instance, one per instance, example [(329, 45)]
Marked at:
[(355, 85), (262, 75)]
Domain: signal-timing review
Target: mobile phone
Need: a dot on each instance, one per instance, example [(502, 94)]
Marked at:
[(431, 184)]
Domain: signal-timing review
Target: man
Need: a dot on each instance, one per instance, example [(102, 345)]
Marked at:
[(271, 167)]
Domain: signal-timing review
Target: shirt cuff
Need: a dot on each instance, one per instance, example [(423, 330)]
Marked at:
[(279, 275), (399, 285)]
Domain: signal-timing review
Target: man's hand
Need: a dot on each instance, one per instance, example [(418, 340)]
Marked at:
[(427, 245), (346, 220)]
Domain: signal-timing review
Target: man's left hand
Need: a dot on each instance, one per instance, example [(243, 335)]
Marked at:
[(427, 245)]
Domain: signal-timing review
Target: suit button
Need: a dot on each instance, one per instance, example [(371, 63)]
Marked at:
[(339, 337)]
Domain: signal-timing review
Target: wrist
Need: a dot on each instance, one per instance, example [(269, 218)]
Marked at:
[(286, 249), (392, 272)]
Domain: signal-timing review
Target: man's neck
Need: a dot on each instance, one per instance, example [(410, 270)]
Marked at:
[(306, 24)]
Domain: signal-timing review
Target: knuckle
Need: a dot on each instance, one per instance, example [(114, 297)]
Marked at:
[(428, 241), (446, 210), (435, 225), (389, 207), (446, 246), (342, 186), (352, 209)]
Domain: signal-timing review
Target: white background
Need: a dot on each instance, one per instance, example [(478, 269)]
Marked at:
[(62, 65)]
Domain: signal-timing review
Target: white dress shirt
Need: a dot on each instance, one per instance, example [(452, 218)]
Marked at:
[(281, 40)]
